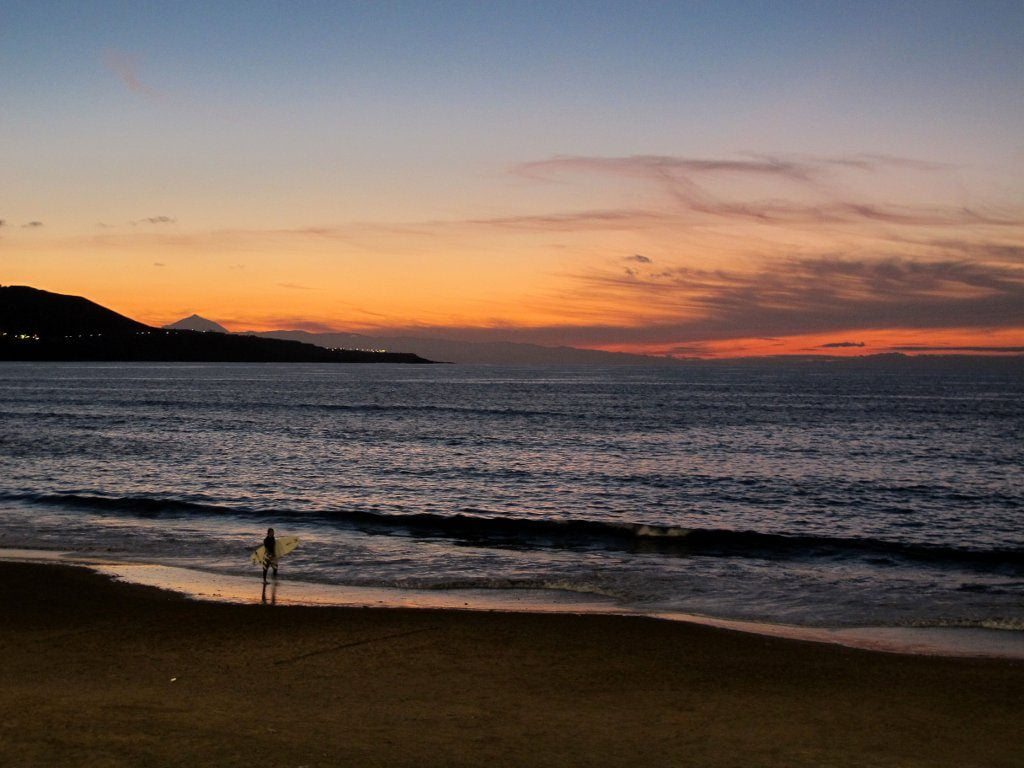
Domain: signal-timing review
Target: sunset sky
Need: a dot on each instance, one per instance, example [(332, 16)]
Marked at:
[(693, 179)]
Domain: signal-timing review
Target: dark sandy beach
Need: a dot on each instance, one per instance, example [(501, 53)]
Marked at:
[(96, 673)]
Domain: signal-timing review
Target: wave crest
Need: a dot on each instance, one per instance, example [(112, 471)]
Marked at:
[(483, 529)]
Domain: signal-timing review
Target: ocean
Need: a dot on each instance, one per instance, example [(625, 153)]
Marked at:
[(798, 496)]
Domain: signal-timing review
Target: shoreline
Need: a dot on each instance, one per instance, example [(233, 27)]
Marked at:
[(213, 587), (103, 673)]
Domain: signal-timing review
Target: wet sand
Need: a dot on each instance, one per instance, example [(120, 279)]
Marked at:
[(96, 673)]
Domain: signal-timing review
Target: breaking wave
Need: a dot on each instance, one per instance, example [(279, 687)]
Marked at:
[(481, 528)]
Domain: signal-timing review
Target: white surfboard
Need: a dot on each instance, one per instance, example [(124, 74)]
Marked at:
[(284, 545)]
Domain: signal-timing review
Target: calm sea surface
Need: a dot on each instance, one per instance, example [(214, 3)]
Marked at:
[(815, 498)]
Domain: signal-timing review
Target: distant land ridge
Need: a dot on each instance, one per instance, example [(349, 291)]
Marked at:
[(481, 352), (448, 350), (507, 352), (40, 325)]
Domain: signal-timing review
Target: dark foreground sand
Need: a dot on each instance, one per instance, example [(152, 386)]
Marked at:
[(101, 674)]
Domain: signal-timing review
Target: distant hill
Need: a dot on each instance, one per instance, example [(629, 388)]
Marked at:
[(492, 352), (39, 325), (197, 323), (30, 311)]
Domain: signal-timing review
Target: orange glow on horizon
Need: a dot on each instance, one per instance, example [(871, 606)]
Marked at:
[(648, 254), (934, 341)]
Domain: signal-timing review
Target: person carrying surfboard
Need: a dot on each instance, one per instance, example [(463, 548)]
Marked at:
[(270, 556), (272, 550)]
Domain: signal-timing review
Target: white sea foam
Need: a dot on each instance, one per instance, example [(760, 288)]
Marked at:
[(1008, 623), (658, 531)]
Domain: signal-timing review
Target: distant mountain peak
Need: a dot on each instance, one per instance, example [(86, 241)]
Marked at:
[(196, 323)]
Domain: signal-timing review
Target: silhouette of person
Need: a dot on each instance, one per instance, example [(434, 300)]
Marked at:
[(270, 558)]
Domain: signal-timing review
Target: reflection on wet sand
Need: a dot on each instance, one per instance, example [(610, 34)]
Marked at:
[(273, 593)]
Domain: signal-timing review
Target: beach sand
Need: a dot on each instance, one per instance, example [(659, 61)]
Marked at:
[(96, 673)]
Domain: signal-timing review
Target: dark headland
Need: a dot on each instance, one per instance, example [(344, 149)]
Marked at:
[(39, 325)]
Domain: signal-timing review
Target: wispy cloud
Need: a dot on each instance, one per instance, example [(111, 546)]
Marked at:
[(291, 323), (125, 66), (298, 324), (804, 295), (579, 220), (840, 345), (295, 287), (154, 220), (988, 250), (690, 183), (32, 225)]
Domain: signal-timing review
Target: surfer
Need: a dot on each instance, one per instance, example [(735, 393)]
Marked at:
[(270, 558)]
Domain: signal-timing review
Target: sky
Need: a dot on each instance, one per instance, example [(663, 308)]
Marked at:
[(692, 179)]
